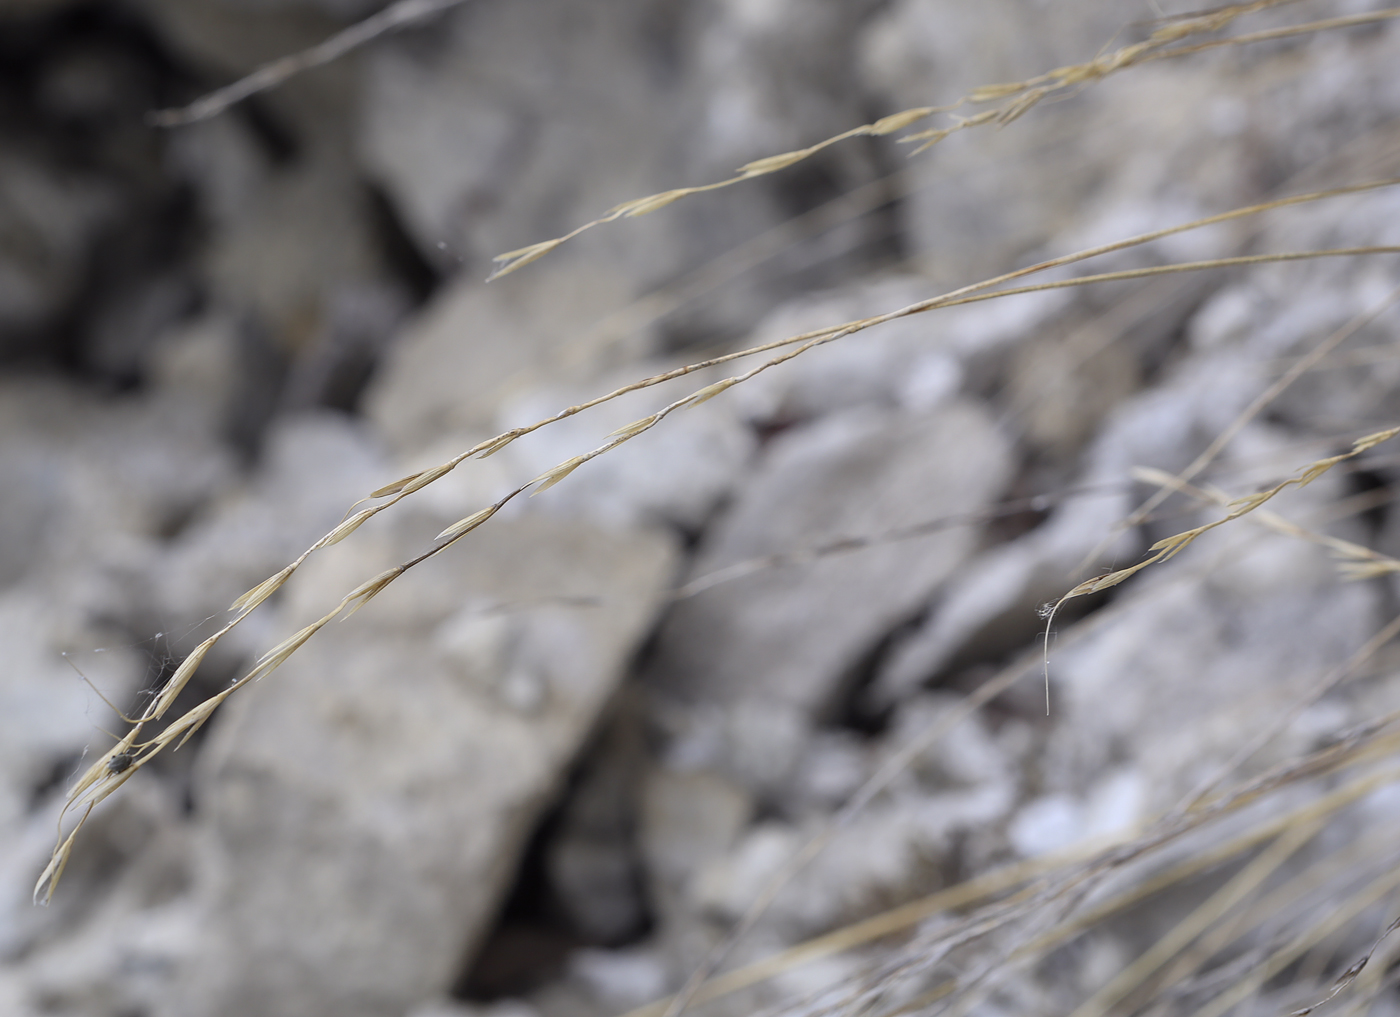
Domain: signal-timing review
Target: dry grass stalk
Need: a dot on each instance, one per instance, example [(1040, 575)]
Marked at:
[(858, 542), (1260, 403), (395, 16), (1169, 547), (927, 952), (1220, 922), (1352, 973), (1211, 928), (493, 445), (405, 486), (870, 790), (1196, 803), (988, 885), (1341, 916), (1355, 561), (1297, 893), (1014, 98), (1206, 915)]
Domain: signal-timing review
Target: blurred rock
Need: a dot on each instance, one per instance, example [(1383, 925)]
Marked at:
[(342, 802), (1120, 147), (476, 345), (621, 977), (457, 1008), (1205, 661), (199, 362), (977, 203), (863, 369), (592, 859), (234, 37), (674, 475), (688, 820), (913, 363), (508, 123), (299, 250), (787, 641), (46, 711), (514, 122), (315, 466), (135, 923), (903, 845), (301, 237), (48, 222), (97, 239), (358, 322), (995, 603), (92, 487)]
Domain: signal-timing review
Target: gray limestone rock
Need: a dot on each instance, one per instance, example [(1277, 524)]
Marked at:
[(314, 467), (474, 346), (510, 123), (781, 643), (387, 777), (675, 474)]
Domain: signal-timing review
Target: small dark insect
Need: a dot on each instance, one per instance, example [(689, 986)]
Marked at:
[(120, 762)]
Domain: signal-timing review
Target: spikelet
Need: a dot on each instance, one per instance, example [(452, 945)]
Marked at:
[(990, 93), (490, 448), (262, 591), (977, 120), (114, 781), (511, 260), (1250, 502), (184, 726), (1105, 582), (899, 121), (368, 590), (53, 872), (275, 657), (929, 138), (710, 391), (1170, 546), (1016, 109), (1355, 571), (393, 488), (425, 478), (181, 678), (1077, 74), (635, 428), (642, 206), (1372, 440), (99, 770), (464, 526), (344, 530), (773, 163), (549, 478)]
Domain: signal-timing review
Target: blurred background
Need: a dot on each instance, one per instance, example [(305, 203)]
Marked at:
[(549, 770)]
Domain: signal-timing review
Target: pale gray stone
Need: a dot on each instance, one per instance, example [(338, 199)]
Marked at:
[(475, 345), (783, 640), (366, 786), (675, 474)]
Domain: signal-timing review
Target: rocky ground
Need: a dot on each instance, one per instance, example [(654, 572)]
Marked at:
[(545, 773)]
